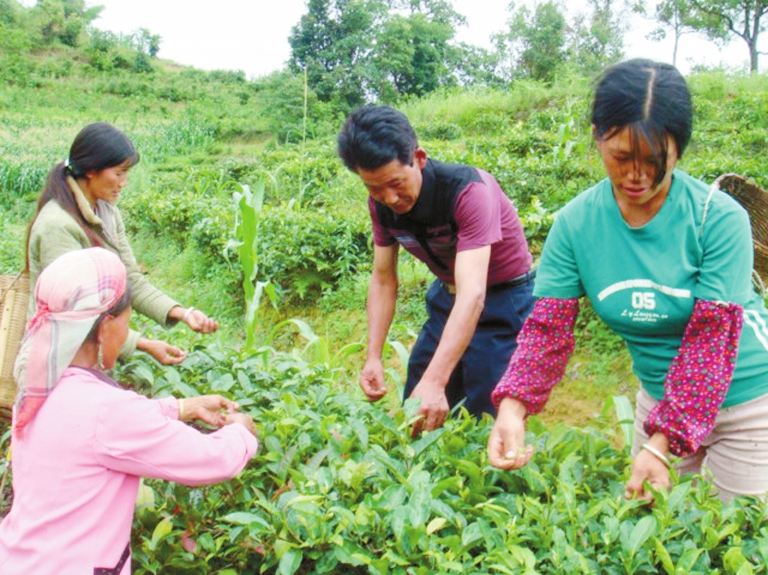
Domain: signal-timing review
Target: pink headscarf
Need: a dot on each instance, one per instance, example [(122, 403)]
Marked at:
[(71, 294)]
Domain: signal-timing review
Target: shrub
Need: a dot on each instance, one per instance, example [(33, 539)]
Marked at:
[(194, 211), (13, 39), (307, 249), (282, 97), (311, 173), (20, 71)]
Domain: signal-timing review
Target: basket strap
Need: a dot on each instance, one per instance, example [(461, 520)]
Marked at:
[(715, 186), (10, 287), (759, 284)]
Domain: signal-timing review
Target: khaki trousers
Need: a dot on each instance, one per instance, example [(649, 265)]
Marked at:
[(734, 456)]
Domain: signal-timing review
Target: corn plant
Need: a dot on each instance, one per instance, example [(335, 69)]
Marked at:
[(249, 207)]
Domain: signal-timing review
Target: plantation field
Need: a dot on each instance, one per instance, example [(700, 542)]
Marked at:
[(338, 485)]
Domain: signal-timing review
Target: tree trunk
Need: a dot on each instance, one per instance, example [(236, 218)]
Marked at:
[(753, 56), (755, 32), (674, 49)]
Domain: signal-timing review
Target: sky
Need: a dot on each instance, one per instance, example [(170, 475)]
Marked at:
[(252, 35)]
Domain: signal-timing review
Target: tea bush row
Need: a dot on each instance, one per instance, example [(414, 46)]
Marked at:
[(339, 486)]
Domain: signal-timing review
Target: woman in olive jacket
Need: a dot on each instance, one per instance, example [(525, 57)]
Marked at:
[(77, 209)]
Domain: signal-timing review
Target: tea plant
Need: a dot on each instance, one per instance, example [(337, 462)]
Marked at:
[(339, 486), (305, 249)]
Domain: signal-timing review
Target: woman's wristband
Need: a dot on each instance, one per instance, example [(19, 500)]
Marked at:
[(181, 409), (659, 455), (186, 314)]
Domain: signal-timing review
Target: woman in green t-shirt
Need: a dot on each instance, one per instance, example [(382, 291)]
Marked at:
[(653, 250)]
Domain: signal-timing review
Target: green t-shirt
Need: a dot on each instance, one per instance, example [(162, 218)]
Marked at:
[(643, 281)]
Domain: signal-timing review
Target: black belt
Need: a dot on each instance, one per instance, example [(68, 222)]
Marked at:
[(514, 282), (509, 284)]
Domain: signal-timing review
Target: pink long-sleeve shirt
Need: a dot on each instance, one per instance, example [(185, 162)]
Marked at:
[(76, 472)]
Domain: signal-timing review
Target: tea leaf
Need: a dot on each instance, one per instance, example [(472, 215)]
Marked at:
[(162, 529)]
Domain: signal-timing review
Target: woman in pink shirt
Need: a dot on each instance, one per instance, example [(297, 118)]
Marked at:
[(81, 442)]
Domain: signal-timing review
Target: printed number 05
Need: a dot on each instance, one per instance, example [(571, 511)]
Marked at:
[(643, 300)]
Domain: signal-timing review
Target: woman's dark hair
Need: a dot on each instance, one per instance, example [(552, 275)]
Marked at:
[(117, 308), (373, 136), (652, 100), (97, 147)]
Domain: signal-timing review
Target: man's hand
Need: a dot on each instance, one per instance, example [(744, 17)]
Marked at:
[(506, 444), (434, 406), (470, 271), (372, 380)]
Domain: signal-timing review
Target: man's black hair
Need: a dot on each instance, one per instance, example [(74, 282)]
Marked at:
[(373, 136)]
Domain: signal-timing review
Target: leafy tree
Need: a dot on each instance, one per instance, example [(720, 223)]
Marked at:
[(438, 11), (413, 54), (477, 66), (332, 41), (63, 20), (719, 19), (535, 41), (393, 66), (679, 17), (597, 37), (48, 15), (142, 63), (109, 51), (147, 43), (358, 50), (9, 10)]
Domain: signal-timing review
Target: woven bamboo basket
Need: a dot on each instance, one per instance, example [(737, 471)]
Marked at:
[(14, 297), (755, 201)]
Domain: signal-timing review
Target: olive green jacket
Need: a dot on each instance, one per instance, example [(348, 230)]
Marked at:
[(55, 232)]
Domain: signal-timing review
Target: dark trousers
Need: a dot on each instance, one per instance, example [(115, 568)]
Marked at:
[(488, 353)]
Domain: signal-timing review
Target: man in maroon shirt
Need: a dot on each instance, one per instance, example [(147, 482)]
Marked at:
[(458, 221)]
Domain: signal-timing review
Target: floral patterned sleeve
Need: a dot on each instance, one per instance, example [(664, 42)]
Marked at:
[(699, 377), (544, 346)]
